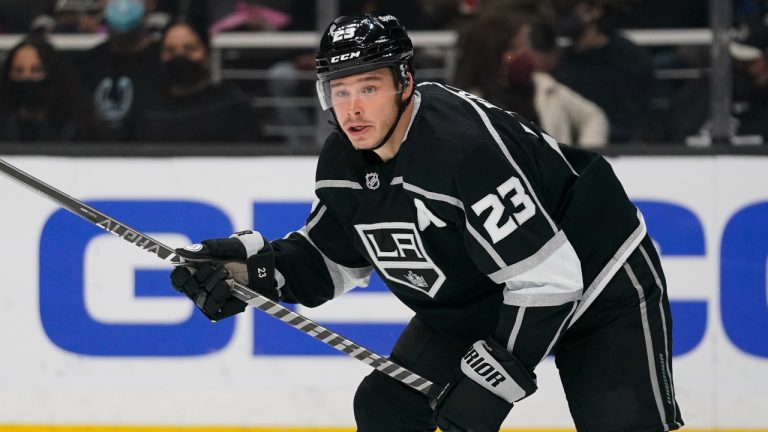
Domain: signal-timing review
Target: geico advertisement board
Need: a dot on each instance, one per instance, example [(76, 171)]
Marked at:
[(93, 334)]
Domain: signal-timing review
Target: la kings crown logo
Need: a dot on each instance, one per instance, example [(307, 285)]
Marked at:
[(397, 251), (417, 280)]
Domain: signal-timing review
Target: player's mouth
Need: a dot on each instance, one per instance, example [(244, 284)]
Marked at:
[(357, 130)]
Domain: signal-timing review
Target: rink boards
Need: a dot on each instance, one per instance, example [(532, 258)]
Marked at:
[(95, 339)]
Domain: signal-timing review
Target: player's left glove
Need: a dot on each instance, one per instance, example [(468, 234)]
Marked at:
[(482, 393)]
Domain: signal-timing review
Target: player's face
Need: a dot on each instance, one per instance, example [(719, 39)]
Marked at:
[(366, 106)]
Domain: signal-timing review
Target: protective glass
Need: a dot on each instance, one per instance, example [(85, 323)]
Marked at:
[(340, 96)]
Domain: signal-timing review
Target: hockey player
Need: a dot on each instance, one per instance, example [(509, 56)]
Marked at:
[(507, 246)]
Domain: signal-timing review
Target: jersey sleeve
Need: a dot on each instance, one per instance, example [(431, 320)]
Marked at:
[(318, 262), (510, 186), (510, 232)]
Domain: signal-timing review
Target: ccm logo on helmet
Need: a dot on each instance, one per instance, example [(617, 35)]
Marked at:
[(347, 56), (477, 362)]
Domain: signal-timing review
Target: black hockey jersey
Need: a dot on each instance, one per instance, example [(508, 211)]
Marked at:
[(481, 223)]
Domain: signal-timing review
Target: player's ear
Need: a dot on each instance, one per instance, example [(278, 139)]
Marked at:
[(408, 87)]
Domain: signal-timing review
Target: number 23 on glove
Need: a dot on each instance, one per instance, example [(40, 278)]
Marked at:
[(215, 264), (483, 391)]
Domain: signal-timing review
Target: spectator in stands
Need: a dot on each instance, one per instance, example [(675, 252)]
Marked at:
[(87, 16), (77, 16), (749, 51), (749, 117), (566, 115), (193, 108), (604, 67), (42, 98), (124, 74), (493, 61), (290, 74), (508, 62)]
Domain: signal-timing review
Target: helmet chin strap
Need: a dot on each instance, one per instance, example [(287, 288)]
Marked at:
[(400, 111)]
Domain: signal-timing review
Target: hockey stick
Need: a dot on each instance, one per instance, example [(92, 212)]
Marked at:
[(242, 292)]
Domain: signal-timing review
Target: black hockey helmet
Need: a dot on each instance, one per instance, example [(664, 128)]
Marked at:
[(361, 43)]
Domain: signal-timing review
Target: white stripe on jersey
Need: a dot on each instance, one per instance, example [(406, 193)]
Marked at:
[(484, 243), (515, 329), (337, 184), (527, 129), (552, 280), (505, 151), (610, 269), (312, 222), (654, 375), (344, 278), (455, 202), (536, 295), (550, 247), (556, 147), (559, 330), (416, 105), (431, 195), (667, 365), (551, 141)]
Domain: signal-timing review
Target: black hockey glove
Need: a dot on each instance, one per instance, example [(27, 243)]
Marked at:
[(208, 288), (481, 394), (246, 257)]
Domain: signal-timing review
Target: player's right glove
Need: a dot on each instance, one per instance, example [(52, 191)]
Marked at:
[(207, 286)]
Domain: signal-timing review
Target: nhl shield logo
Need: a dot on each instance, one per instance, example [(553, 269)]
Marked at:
[(372, 180)]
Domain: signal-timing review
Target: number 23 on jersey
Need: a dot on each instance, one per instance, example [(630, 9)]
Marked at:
[(513, 191)]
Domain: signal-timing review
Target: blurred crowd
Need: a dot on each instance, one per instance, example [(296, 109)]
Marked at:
[(564, 64)]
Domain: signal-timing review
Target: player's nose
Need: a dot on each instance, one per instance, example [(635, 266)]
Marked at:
[(354, 107)]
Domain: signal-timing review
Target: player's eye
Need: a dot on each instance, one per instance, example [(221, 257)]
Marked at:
[(341, 93), (369, 91)]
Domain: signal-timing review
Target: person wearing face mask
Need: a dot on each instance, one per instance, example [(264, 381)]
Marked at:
[(42, 98), (193, 107), (124, 74)]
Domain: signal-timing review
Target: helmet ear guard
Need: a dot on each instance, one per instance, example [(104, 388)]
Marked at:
[(405, 69)]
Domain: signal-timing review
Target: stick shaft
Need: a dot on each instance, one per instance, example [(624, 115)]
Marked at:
[(242, 292)]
